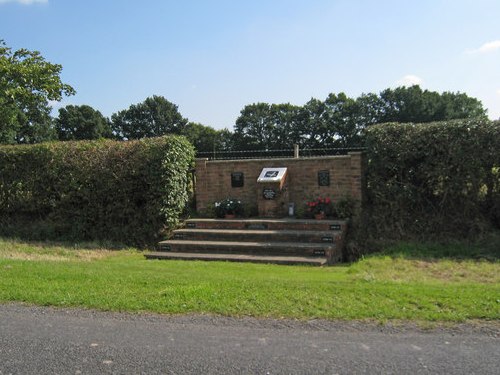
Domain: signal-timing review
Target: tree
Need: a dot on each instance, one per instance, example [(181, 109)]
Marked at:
[(314, 127), (207, 139), (262, 126), (254, 129), (412, 104), (154, 117), (287, 120), (340, 121), (27, 83), (459, 105), (81, 122)]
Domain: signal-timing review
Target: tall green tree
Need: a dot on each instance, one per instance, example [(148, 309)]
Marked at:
[(27, 83), (254, 128), (154, 117), (343, 121), (287, 120), (263, 126), (412, 104), (207, 139), (314, 124), (77, 122)]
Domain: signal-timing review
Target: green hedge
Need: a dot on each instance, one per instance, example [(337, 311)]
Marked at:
[(127, 192), (438, 179)]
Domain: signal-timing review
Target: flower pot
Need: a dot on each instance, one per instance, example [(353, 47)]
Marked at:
[(320, 216)]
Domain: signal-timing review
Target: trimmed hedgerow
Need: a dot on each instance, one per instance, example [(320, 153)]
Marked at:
[(438, 179), (127, 192)]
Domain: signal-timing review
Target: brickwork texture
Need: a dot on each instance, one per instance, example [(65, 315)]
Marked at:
[(346, 178)]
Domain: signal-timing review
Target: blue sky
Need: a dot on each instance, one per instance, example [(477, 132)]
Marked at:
[(213, 57)]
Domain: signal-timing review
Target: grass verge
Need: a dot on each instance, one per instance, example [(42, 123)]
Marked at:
[(381, 287)]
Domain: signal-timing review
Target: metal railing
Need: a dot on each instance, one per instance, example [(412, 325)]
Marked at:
[(268, 154)]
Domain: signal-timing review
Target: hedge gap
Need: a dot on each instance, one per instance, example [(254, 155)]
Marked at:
[(125, 192)]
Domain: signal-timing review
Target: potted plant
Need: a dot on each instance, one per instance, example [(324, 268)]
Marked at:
[(320, 207), (228, 208)]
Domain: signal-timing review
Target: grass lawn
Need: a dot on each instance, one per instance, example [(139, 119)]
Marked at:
[(406, 282)]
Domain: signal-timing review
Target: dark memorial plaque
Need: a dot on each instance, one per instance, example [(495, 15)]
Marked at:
[(335, 227), (237, 179), (324, 178), (269, 193)]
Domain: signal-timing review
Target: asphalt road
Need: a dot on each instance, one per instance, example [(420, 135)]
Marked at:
[(40, 340)]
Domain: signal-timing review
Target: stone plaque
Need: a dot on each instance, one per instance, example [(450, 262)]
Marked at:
[(324, 178), (269, 194), (191, 225), (327, 239), (277, 174), (335, 227), (237, 179)]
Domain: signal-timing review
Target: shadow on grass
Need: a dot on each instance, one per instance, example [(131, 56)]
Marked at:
[(45, 233), (484, 248)]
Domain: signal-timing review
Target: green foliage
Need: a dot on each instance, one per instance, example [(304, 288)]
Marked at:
[(154, 117), (340, 121), (80, 123), (344, 208), (412, 104), (437, 179), (207, 139), (127, 192), (263, 126), (27, 83), (228, 206)]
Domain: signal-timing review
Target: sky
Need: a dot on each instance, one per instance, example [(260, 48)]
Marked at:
[(213, 57)]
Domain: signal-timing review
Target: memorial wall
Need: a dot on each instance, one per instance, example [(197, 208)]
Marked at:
[(273, 185)]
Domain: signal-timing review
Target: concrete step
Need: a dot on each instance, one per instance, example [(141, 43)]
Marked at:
[(308, 236), (286, 260), (267, 224), (252, 248)]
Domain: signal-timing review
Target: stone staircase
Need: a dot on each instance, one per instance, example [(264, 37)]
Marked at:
[(280, 241)]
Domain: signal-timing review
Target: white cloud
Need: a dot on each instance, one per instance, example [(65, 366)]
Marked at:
[(487, 47), (24, 2), (409, 80), (498, 91)]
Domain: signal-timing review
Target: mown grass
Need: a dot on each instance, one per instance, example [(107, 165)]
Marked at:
[(392, 285)]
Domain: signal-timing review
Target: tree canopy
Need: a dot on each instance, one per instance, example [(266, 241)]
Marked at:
[(340, 121), (27, 83), (81, 122), (154, 117), (207, 139)]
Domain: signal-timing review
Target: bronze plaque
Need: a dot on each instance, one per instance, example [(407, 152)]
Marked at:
[(324, 178), (237, 179)]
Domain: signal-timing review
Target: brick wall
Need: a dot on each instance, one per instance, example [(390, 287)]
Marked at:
[(213, 178)]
